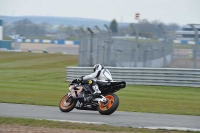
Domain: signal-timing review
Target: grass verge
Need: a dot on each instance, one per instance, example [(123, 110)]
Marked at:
[(185, 46), (68, 125)]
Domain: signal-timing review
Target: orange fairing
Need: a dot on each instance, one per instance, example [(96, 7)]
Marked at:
[(79, 89), (110, 99)]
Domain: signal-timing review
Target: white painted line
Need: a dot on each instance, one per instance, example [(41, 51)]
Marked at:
[(86, 122), (167, 128), (174, 128)]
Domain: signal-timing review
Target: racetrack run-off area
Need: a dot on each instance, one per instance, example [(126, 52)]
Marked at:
[(52, 48)]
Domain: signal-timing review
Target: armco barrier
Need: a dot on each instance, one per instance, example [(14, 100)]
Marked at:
[(185, 42), (78, 42), (144, 76), (47, 41)]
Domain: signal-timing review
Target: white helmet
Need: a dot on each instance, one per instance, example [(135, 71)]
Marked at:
[(98, 66)]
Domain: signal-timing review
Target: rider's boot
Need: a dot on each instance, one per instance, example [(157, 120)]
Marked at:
[(96, 90), (97, 94)]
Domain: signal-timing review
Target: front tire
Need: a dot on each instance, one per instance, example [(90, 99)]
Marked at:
[(67, 103), (111, 106)]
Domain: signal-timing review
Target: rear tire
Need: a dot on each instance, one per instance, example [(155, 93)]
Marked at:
[(67, 104), (111, 106)]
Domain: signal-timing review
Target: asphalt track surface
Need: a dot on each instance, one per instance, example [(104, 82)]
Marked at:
[(51, 48), (118, 118)]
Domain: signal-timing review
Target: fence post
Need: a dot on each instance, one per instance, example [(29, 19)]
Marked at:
[(80, 50), (108, 50), (164, 47), (196, 38), (98, 45), (98, 28), (171, 45), (91, 47), (1, 29), (137, 44)]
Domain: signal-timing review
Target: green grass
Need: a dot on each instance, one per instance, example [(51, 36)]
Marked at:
[(39, 79), (160, 99), (68, 125), (33, 78), (185, 46), (7, 38)]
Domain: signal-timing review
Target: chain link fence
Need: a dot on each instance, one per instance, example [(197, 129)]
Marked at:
[(16, 45), (98, 46), (187, 55), (183, 57)]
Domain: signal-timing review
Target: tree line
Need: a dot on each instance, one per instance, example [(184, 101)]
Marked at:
[(26, 27), (146, 29)]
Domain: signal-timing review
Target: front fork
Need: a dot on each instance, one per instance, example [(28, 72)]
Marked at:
[(69, 94)]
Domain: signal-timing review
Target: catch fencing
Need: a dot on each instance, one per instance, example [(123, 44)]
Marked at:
[(102, 47), (144, 76)]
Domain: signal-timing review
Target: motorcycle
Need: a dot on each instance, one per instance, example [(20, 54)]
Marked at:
[(81, 97)]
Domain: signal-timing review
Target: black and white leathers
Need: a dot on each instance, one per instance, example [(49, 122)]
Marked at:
[(100, 73)]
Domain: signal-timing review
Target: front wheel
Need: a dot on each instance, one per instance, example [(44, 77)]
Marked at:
[(110, 106), (67, 103)]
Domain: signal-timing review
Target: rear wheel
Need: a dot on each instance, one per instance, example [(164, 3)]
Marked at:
[(67, 104), (110, 106)]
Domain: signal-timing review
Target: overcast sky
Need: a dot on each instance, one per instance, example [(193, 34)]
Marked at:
[(168, 11)]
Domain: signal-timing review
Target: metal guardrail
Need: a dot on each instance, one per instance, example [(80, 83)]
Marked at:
[(144, 76)]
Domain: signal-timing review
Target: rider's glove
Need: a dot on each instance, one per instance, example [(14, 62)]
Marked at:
[(80, 79)]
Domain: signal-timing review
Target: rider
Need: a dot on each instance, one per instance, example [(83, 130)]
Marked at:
[(101, 74)]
